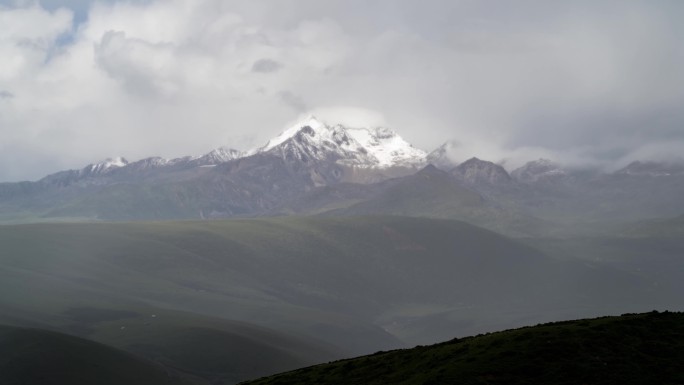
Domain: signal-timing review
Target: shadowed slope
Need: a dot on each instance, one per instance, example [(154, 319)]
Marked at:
[(32, 356), (631, 349)]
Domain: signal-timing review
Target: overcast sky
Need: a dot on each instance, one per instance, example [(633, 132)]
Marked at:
[(581, 82)]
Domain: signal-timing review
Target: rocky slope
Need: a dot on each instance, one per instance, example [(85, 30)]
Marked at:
[(313, 167)]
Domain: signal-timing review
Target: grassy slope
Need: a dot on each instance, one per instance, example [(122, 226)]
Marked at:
[(330, 278), (233, 269), (290, 271), (435, 194), (651, 249), (659, 228), (631, 349), (356, 283), (104, 282), (31, 356)]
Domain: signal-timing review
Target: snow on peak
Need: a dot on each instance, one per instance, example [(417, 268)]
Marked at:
[(358, 146), (444, 157), (311, 122), (540, 169), (114, 162), (387, 146), (652, 168), (219, 155), (106, 165)]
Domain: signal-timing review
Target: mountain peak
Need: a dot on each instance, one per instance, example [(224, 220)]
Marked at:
[(310, 124), (105, 166), (218, 155), (430, 169), (476, 171), (118, 161), (651, 168), (540, 169), (388, 148), (442, 156), (312, 139), (475, 160)]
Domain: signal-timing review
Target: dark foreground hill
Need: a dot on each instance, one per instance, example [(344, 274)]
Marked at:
[(32, 356), (631, 349)]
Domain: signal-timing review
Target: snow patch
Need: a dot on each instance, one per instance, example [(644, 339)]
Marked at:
[(316, 125), (387, 146), (106, 165), (359, 146)]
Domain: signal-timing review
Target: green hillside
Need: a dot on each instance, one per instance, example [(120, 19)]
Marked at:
[(631, 349), (363, 283), (651, 249), (658, 228), (434, 193), (293, 291), (32, 356)]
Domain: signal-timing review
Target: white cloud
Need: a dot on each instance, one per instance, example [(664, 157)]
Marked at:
[(348, 116), (577, 82), (24, 46)]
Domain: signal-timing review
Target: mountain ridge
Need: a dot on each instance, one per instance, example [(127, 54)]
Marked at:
[(373, 147), (278, 178)]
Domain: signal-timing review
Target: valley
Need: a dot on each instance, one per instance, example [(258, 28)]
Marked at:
[(298, 290), (341, 192)]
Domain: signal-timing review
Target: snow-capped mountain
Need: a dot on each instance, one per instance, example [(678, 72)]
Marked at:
[(314, 140), (441, 156), (91, 171), (217, 156), (387, 147), (334, 164), (653, 169), (105, 166), (538, 170), (310, 140), (148, 163)]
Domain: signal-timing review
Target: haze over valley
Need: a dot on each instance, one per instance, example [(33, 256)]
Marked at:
[(365, 178)]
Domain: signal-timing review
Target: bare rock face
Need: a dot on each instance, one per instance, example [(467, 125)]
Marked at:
[(652, 169), (538, 170), (441, 157), (478, 172), (316, 165)]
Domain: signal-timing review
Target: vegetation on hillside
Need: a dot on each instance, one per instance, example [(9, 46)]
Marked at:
[(630, 349), (238, 299), (32, 356)]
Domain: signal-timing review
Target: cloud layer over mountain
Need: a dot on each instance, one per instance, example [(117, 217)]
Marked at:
[(578, 82)]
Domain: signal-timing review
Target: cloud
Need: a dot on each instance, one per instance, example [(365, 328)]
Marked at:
[(26, 47), (142, 67), (350, 116), (579, 82), (293, 101), (266, 66), (670, 151), (4, 94)]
